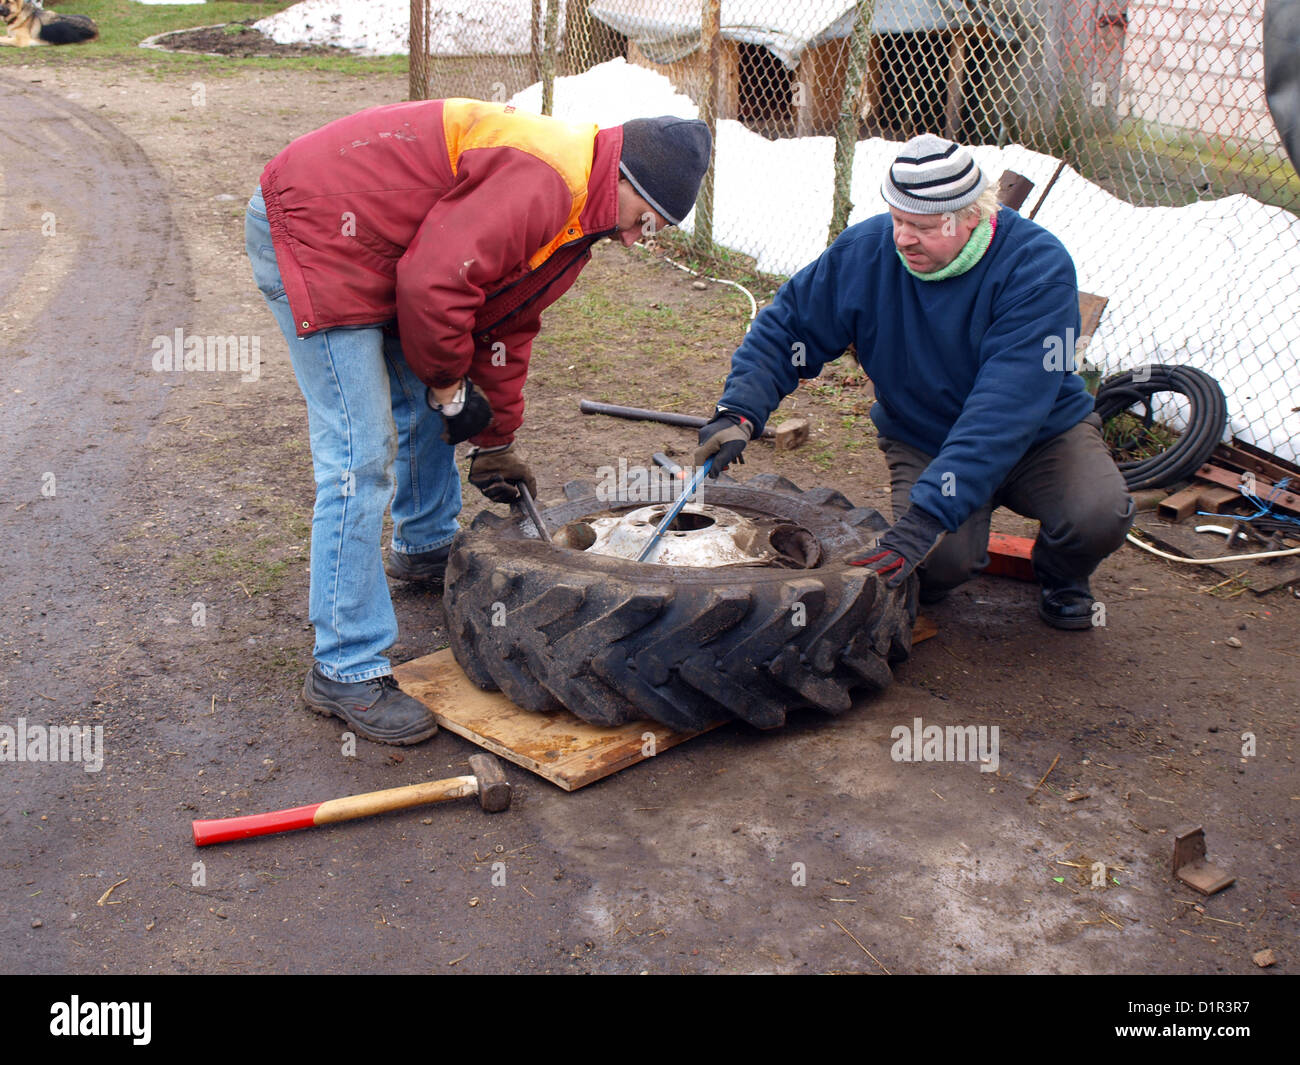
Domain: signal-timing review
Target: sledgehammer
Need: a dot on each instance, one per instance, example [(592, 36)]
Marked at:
[(488, 783)]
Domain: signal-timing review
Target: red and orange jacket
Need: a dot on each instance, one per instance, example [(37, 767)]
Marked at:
[(459, 219)]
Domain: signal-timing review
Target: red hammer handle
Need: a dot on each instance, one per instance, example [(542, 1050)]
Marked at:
[(227, 828), (333, 810)]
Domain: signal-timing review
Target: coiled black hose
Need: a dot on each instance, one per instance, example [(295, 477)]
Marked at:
[(1206, 420)]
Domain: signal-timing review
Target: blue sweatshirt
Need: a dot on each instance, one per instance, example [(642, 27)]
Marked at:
[(974, 370)]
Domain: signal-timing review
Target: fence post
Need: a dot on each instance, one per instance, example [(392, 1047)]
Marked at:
[(846, 129), (535, 39), (711, 45), (417, 60), (548, 55)]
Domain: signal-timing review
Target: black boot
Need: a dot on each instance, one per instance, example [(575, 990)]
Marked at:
[(1069, 607), (428, 567), (377, 708)]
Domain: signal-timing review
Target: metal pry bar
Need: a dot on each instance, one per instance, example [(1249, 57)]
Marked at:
[(690, 490), (534, 515)]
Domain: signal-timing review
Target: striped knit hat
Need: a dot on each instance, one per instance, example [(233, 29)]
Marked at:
[(932, 175)]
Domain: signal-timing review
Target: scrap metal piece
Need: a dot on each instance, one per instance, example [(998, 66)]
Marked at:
[(1191, 867), (1013, 189)]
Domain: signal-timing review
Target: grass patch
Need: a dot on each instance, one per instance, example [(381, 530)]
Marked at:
[(258, 567), (720, 262), (1154, 167), (843, 389), (637, 347), (123, 25), (1131, 439)]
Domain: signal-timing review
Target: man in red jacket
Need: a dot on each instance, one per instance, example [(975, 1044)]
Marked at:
[(407, 253)]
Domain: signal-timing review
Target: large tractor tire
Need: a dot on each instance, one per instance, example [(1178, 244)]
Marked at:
[(614, 640)]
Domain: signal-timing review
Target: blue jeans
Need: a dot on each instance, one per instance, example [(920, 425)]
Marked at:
[(368, 418)]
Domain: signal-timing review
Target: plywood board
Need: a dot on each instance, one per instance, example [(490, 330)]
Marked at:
[(564, 749), (558, 746)]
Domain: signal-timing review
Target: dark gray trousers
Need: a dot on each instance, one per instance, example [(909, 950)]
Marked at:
[(1069, 484)]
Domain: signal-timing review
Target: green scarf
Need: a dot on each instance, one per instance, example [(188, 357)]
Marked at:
[(974, 249)]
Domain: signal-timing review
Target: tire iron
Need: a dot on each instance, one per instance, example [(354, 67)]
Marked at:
[(530, 509), (671, 516)]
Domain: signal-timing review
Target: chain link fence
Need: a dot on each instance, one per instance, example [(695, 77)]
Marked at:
[(1143, 127)]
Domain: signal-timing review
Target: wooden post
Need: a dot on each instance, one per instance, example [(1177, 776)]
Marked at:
[(548, 56), (846, 130), (956, 86), (535, 39), (417, 62), (711, 46)]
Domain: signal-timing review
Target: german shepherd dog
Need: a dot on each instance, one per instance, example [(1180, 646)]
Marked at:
[(30, 24)]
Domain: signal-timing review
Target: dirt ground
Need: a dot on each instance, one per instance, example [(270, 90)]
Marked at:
[(186, 497)]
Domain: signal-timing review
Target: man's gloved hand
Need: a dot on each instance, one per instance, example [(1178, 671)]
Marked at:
[(723, 439), (495, 471), (465, 416), (904, 547)]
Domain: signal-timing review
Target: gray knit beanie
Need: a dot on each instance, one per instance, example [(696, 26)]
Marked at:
[(665, 159), (932, 175)]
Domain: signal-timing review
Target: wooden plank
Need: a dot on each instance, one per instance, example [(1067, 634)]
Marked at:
[(558, 746), (562, 748), (923, 629), (820, 83), (1091, 308)]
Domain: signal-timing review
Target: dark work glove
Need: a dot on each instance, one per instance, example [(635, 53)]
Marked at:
[(495, 471), (465, 416), (723, 439), (904, 547)]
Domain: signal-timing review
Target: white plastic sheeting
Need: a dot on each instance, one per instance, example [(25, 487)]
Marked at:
[(668, 30)]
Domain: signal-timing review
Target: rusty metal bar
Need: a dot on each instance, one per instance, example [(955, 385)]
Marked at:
[(1253, 460), (667, 417), (1055, 174), (1264, 489)]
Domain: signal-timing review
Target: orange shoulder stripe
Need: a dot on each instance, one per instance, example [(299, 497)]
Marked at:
[(566, 147)]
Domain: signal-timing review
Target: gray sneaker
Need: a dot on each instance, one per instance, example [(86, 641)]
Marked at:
[(377, 708)]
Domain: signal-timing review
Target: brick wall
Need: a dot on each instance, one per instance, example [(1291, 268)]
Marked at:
[(1199, 65)]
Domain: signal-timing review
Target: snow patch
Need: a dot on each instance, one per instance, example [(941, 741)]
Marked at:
[(382, 27), (1212, 285)]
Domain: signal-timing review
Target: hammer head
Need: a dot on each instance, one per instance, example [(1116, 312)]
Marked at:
[(493, 788)]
